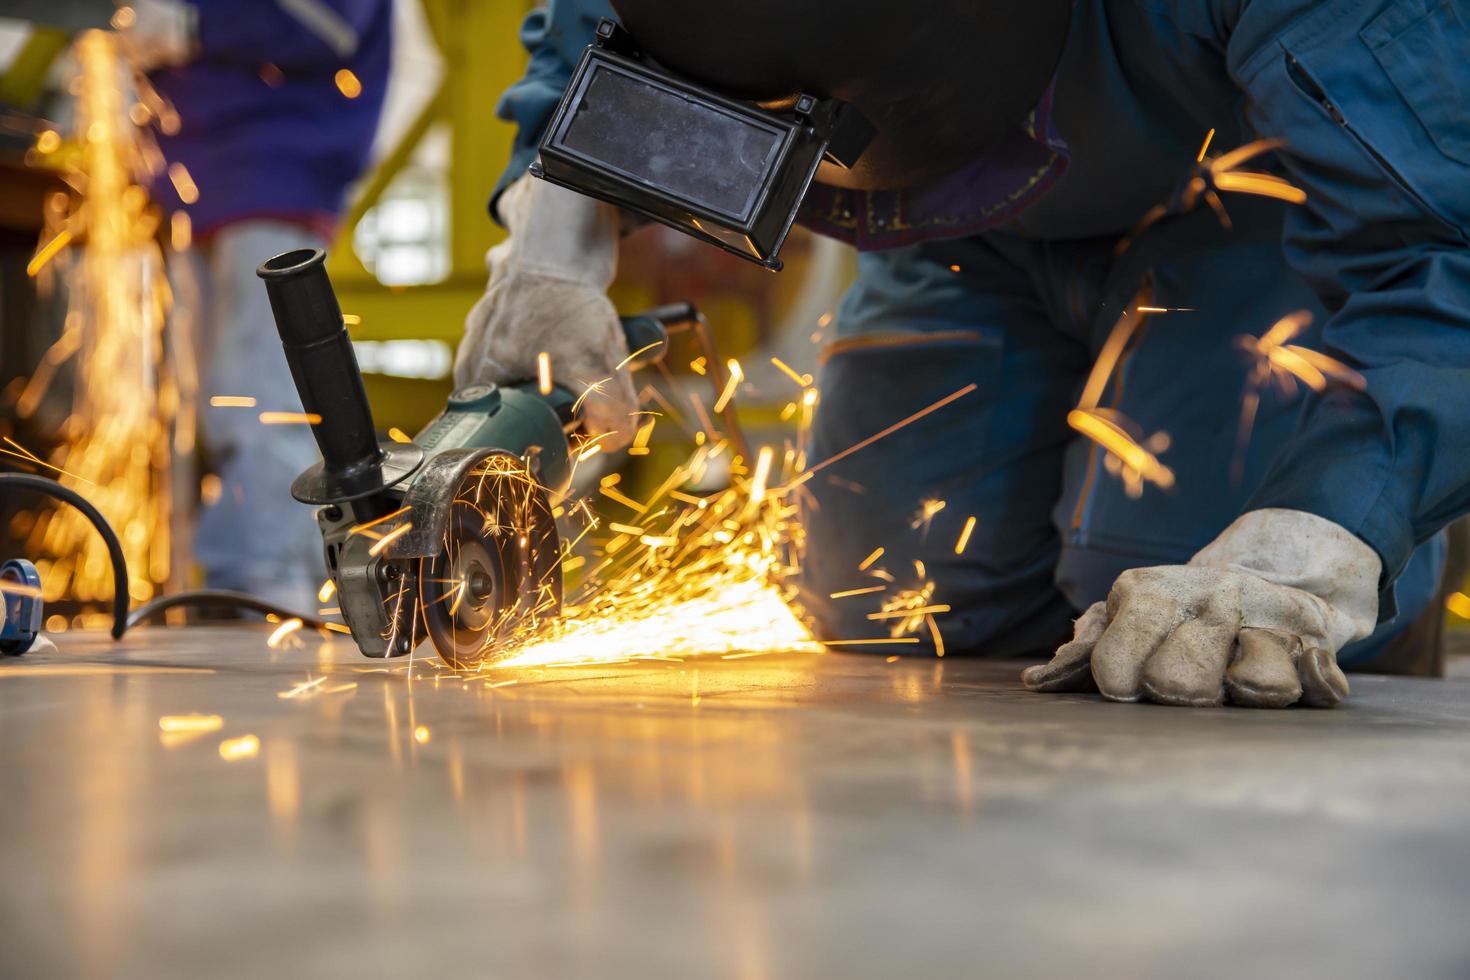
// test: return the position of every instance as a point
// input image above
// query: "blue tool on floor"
(20, 587)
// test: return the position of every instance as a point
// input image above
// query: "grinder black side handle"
(323, 364)
(515, 418)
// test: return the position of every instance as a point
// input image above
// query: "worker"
(1019, 143)
(277, 106)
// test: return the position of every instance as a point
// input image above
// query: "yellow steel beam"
(25, 79)
(480, 45)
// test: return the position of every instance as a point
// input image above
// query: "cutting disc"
(497, 575)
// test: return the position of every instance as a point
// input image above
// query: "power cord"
(219, 599)
(122, 621)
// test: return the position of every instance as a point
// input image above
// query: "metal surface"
(820, 816)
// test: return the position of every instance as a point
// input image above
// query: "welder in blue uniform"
(1019, 144)
(277, 106)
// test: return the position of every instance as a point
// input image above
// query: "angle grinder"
(449, 537)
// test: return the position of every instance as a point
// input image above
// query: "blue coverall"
(1372, 99)
(272, 143)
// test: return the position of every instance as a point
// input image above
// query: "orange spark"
(637, 354)
(852, 592)
(1138, 463)
(934, 632)
(731, 383)
(176, 724)
(804, 380)
(360, 528)
(1205, 147)
(347, 83)
(47, 252)
(19, 588)
(761, 476)
(235, 749)
(183, 183)
(626, 501)
(964, 541)
(947, 399)
(278, 636)
(387, 539)
(289, 418)
(903, 613)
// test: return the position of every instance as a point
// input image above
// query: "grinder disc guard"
(497, 574)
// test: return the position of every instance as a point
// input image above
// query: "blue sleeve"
(555, 35)
(301, 34)
(1371, 100)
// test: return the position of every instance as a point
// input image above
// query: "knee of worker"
(912, 601)
(937, 535)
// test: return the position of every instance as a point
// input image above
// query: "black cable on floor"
(219, 599)
(121, 620)
(41, 484)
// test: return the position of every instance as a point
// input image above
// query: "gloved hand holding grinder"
(548, 293)
(1257, 617)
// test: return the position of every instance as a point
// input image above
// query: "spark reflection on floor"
(191, 803)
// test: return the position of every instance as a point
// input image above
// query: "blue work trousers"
(1054, 524)
(254, 537)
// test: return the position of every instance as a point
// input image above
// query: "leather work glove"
(548, 292)
(158, 34)
(1257, 616)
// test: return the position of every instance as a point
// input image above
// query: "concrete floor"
(832, 815)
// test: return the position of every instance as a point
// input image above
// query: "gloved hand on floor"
(548, 292)
(1258, 615)
(159, 34)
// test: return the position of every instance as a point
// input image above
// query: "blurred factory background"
(121, 415)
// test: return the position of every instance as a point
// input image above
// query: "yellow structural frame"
(479, 41)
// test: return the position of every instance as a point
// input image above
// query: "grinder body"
(451, 536)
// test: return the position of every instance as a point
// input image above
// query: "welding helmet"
(715, 117)
(939, 81)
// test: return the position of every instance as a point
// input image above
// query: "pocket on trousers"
(1424, 48)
